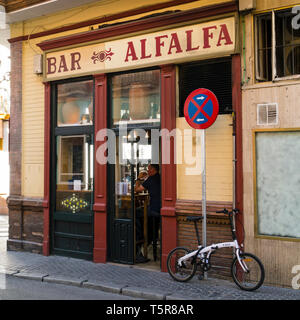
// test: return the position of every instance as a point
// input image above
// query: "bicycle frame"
(199, 253)
(210, 249)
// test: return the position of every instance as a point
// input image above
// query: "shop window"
(75, 103)
(277, 46)
(135, 98)
(277, 183)
(214, 75)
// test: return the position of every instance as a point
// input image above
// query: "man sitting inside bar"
(152, 184)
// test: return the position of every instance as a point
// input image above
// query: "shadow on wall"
(3, 204)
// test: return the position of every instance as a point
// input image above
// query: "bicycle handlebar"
(228, 212)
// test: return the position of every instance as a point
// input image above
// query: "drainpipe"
(245, 78)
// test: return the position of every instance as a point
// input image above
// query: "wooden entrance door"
(72, 174)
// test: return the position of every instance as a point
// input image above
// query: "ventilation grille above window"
(267, 114)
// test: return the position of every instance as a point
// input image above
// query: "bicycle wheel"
(184, 272)
(255, 275)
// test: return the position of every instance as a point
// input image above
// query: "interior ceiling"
(43, 8)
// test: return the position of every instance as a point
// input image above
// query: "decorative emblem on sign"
(74, 203)
(102, 56)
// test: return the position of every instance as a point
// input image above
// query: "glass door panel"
(131, 159)
(74, 180)
(75, 103)
(136, 98)
(128, 207)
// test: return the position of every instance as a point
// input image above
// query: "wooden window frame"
(274, 78)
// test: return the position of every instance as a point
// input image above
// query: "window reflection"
(75, 103)
(132, 158)
(74, 173)
(136, 97)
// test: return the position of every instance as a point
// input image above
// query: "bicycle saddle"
(192, 218)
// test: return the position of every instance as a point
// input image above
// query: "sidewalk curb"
(30, 276)
(136, 292)
(64, 280)
(124, 290)
(102, 286)
(9, 272)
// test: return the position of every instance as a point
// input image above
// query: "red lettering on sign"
(189, 45)
(224, 35)
(143, 50)
(62, 64)
(174, 44)
(51, 65)
(159, 44)
(131, 52)
(207, 35)
(75, 58)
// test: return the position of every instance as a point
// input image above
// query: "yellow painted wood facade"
(219, 155)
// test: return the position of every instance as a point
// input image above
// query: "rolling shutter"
(214, 75)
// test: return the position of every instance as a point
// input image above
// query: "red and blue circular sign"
(201, 108)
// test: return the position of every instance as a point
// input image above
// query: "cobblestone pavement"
(126, 280)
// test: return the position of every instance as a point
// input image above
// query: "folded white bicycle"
(246, 269)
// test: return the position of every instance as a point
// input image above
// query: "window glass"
(75, 103)
(74, 173)
(132, 158)
(287, 45)
(278, 183)
(136, 97)
(286, 49)
(264, 46)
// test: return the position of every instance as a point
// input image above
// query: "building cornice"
(205, 12)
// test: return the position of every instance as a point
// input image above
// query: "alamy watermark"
(296, 19)
(187, 149)
(296, 278)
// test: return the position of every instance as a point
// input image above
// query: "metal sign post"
(203, 167)
(201, 109)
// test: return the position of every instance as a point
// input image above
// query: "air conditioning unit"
(267, 114)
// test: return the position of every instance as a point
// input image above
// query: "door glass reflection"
(74, 181)
(131, 158)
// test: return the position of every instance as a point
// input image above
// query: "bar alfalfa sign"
(193, 42)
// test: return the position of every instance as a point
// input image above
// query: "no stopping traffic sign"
(201, 108)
